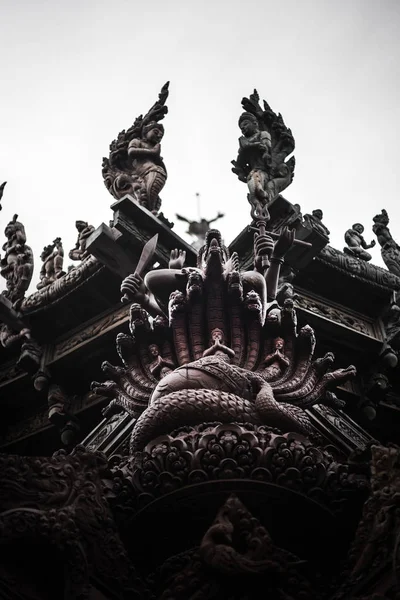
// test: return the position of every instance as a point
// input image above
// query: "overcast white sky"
(74, 73)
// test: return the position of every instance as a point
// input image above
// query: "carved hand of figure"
(133, 288)
(239, 171)
(284, 242)
(263, 246)
(177, 259)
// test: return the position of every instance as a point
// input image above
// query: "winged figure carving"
(135, 165)
(264, 147)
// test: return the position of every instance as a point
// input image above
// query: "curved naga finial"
(264, 146)
(215, 351)
(135, 165)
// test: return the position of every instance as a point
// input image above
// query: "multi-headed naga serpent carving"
(215, 350)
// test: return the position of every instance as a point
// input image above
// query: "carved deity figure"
(199, 228)
(217, 327)
(275, 363)
(390, 250)
(135, 165)
(160, 367)
(265, 144)
(356, 244)
(16, 266)
(53, 258)
(154, 292)
(314, 221)
(84, 230)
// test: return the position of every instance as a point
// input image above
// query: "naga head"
(253, 302)
(213, 252)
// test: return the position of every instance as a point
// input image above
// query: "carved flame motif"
(221, 355)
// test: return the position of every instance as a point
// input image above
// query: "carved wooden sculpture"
(53, 258)
(314, 221)
(389, 249)
(135, 165)
(16, 265)
(216, 343)
(84, 230)
(356, 244)
(263, 149)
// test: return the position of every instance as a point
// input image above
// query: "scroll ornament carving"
(377, 540)
(135, 165)
(359, 269)
(205, 453)
(59, 500)
(61, 287)
(340, 316)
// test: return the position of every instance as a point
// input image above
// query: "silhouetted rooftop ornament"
(135, 165)
(390, 250)
(2, 186)
(200, 227)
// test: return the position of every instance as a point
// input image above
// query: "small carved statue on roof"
(199, 228)
(265, 144)
(84, 230)
(160, 367)
(53, 258)
(16, 266)
(390, 251)
(2, 186)
(135, 165)
(356, 245)
(314, 221)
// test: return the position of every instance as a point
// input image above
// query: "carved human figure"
(218, 347)
(314, 221)
(390, 250)
(264, 146)
(154, 292)
(16, 265)
(148, 165)
(160, 367)
(253, 161)
(135, 165)
(53, 258)
(84, 230)
(276, 363)
(356, 244)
